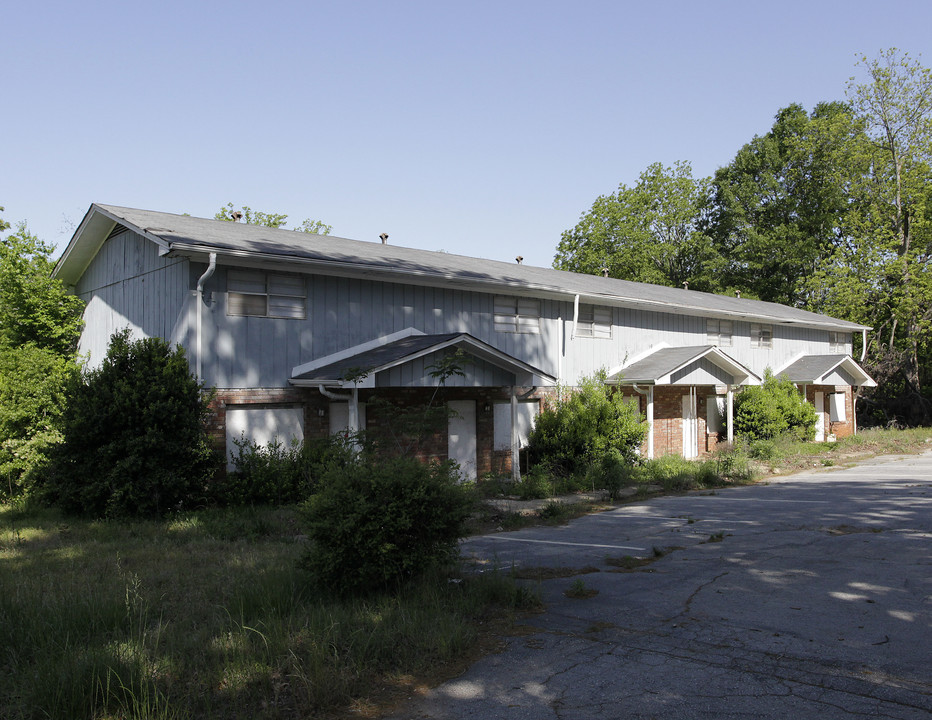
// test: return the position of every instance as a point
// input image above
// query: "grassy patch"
(205, 615)
(580, 591)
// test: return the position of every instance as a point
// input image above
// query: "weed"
(579, 591)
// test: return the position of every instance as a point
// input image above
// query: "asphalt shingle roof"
(187, 235)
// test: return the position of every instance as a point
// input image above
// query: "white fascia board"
(355, 350)
(87, 240)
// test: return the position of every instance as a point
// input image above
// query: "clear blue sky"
(479, 128)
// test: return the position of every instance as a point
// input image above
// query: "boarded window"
(761, 335)
(256, 293)
(715, 413)
(517, 314)
(718, 332)
(339, 417)
(594, 322)
(263, 425)
(527, 413)
(836, 405)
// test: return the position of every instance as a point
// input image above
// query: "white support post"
(730, 423)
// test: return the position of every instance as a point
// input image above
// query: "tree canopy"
(276, 220)
(647, 233)
(830, 210)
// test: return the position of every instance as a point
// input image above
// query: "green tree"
(134, 431)
(881, 275)
(34, 307)
(647, 233)
(779, 206)
(275, 220)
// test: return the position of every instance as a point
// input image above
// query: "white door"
(461, 436)
(690, 427)
(820, 417)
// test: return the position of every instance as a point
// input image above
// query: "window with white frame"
(718, 332)
(837, 342)
(517, 314)
(594, 322)
(761, 335)
(265, 294)
(836, 405)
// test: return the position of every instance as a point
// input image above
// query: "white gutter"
(211, 267)
(575, 315)
(650, 417)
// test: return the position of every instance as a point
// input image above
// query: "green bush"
(135, 441)
(276, 474)
(32, 390)
(775, 408)
(377, 523)
(612, 473)
(584, 424)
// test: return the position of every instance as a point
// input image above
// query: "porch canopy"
(406, 359)
(690, 367)
(827, 370)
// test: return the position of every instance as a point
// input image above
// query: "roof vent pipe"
(738, 294)
(519, 259)
(605, 272)
(237, 216)
(384, 238)
(686, 284)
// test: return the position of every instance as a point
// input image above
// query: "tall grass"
(206, 616)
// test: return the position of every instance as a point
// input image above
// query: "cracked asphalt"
(809, 596)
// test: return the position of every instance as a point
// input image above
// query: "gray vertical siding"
(129, 285)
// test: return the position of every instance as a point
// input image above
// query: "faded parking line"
(558, 542)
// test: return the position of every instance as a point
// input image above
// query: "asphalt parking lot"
(809, 596)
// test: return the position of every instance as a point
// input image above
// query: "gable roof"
(816, 369)
(404, 347)
(661, 366)
(255, 245)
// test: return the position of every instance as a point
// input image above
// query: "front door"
(461, 436)
(820, 417)
(690, 427)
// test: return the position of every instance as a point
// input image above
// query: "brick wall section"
(317, 415)
(838, 429)
(668, 419)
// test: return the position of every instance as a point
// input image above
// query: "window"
(251, 292)
(836, 405)
(517, 315)
(761, 335)
(838, 342)
(263, 425)
(501, 418)
(718, 332)
(594, 322)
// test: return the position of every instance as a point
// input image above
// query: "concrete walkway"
(806, 597)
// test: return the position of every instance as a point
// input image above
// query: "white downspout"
(730, 410)
(863, 344)
(515, 457)
(650, 417)
(575, 315)
(211, 267)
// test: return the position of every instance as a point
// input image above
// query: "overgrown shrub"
(276, 474)
(611, 473)
(584, 424)
(135, 441)
(377, 523)
(32, 390)
(775, 408)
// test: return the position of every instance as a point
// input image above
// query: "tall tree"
(779, 206)
(276, 220)
(646, 233)
(882, 275)
(34, 307)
